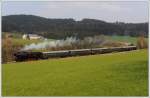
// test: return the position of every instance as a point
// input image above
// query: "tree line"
(62, 28)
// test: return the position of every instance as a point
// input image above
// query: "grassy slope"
(133, 40)
(19, 41)
(125, 39)
(118, 74)
(26, 42)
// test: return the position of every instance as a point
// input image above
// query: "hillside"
(62, 28)
(116, 74)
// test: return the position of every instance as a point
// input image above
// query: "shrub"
(142, 43)
(8, 49)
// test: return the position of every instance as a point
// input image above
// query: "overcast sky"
(107, 11)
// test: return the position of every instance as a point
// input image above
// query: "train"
(28, 55)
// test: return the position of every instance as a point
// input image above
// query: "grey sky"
(107, 11)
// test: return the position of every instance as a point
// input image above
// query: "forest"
(62, 28)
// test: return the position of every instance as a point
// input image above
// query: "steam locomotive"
(26, 55)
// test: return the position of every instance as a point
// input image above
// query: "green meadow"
(114, 74)
(129, 39)
(124, 39)
(19, 41)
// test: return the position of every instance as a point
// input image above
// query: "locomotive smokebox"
(27, 55)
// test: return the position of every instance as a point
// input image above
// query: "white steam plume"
(51, 44)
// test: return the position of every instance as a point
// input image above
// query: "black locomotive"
(25, 55)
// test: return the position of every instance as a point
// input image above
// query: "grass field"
(124, 39)
(19, 41)
(133, 40)
(116, 74)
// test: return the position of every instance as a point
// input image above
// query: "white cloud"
(108, 11)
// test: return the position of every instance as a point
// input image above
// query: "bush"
(142, 43)
(8, 49)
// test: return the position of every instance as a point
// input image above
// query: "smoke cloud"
(72, 43)
(51, 44)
